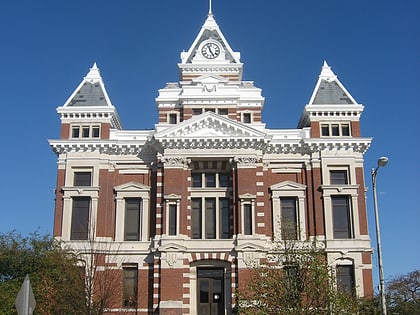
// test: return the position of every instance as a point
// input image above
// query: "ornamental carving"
(175, 161)
(246, 160)
(250, 260)
(171, 259)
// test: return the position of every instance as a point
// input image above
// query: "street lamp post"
(382, 161)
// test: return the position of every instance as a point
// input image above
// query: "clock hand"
(211, 51)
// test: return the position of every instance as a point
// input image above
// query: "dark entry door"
(211, 293)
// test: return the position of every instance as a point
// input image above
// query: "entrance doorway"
(211, 291)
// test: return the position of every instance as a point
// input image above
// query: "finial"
(327, 73)
(210, 10)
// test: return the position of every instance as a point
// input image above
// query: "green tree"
(296, 279)
(404, 294)
(54, 274)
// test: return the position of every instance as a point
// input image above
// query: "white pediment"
(209, 125)
(131, 186)
(287, 185)
(210, 79)
(249, 246)
(172, 247)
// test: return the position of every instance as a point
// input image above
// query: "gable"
(131, 186)
(210, 125)
(287, 186)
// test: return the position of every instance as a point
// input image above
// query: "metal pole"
(378, 242)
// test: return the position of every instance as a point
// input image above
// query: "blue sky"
(373, 46)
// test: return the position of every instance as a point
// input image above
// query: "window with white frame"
(289, 218)
(247, 204)
(211, 210)
(335, 130)
(288, 206)
(132, 227)
(82, 178)
(80, 216)
(341, 212)
(210, 218)
(173, 118)
(246, 118)
(345, 278)
(80, 202)
(172, 214)
(132, 212)
(85, 131)
(248, 220)
(340, 194)
(339, 177)
(130, 285)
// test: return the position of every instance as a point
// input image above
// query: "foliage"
(295, 279)
(53, 272)
(403, 294)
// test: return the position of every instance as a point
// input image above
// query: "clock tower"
(210, 81)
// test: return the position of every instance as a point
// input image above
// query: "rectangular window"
(82, 178)
(247, 118)
(196, 180)
(223, 111)
(338, 177)
(196, 218)
(210, 218)
(223, 180)
(288, 219)
(341, 216)
(196, 111)
(85, 132)
(325, 130)
(210, 110)
(80, 218)
(210, 179)
(247, 219)
(172, 119)
(335, 131)
(75, 132)
(132, 219)
(345, 130)
(345, 278)
(224, 218)
(130, 285)
(172, 219)
(95, 132)
(293, 283)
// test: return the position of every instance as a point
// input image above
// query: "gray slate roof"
(90, 94)
(331, 93)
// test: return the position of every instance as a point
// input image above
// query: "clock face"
(210, 50)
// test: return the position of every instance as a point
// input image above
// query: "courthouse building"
(181, 210)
